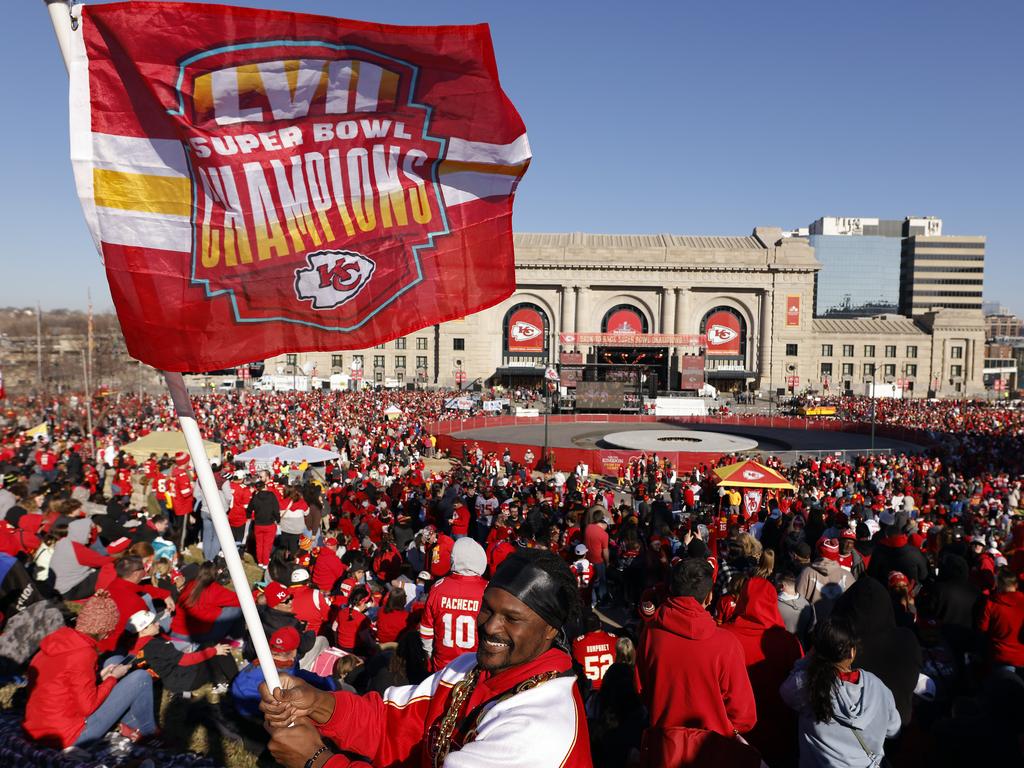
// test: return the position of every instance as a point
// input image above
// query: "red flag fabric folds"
(260, 182)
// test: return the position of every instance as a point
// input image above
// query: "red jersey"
(595, 652)
(46, 460)
(181, 483)
(449, 617)
(241, 495)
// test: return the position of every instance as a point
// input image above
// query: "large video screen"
(600, 395)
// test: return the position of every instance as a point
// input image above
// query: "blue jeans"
(600, 582)
(211, 544)
(131, 702)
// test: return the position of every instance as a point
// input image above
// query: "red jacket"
(691, 672)
(196, 620)
(327, 569)
(64, 691)
(1002, 621)
(770, 652)
(391, 624)
(439, 560)
(126, 596)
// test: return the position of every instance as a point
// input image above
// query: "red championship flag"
(260, 182)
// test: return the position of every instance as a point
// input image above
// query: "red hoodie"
(64, 691)
(770, 652)
(690, 672)
(1003, 623)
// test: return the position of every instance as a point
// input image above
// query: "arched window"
(525, 331)
(624, 318)
(726, 332)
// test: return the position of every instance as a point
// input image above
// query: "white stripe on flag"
(154, 157)
(139, 229)
(467, 186)
(513, 153)
(367, 87)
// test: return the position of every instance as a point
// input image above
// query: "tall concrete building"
(941, 272)
(860, 265)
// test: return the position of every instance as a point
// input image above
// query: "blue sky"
(683, 117)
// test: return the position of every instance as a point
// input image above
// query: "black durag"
(529, 578)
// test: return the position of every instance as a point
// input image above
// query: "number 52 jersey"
(595, 652)
(448, 625)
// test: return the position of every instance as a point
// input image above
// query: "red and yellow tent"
(750, 474)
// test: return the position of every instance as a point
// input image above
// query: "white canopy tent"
(263, 455)
(310, 454)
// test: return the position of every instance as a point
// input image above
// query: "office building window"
(378, 361)
(399, 361)
(826, 350)
(911, 370)
(956, 371)
(791, 349)
(421, 362)
(379, 346)
(291, 360)
(379, 377)
(847, 350)
(869, 370)
(400, 343)
(458, 344)
(869, 350)
(826, 369)
(957, 353)
(912, 353)
(847, 369)
(890, 350)
(421, 342)
(337, 361)
(889, 371)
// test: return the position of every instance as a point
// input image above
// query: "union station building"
(735, 312)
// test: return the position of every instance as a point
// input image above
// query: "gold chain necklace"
(441, 732)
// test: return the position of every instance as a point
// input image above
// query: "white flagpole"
(60, 17)
(215, 503)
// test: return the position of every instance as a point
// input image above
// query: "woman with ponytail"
(846, 714)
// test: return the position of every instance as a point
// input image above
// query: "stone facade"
(673, 282)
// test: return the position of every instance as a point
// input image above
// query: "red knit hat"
(181, 458)
(829, 549)
(98, 616)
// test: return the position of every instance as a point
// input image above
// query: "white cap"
(299, 575)
(581, 550)
(140, 620)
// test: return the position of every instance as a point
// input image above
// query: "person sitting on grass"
(66, 705)
(180, 672)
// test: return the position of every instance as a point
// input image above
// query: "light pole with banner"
(551, 383)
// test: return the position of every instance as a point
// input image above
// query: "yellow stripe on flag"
(142, 192)
(459, 166)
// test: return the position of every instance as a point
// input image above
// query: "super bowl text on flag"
(260, 182)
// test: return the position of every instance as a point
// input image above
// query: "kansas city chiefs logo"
(524, 331)
(720, 334)
(333, 278)
(752, 474)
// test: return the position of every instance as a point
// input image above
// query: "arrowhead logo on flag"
(752, 474)
(273, 182)
(720, 334)
(752, 501)
(333, 277)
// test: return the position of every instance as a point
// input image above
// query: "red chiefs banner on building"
(525, 331)
(724, 333)
(792, 311)
(625, 321)
(260, 182)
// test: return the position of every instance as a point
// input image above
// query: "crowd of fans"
(870, 615)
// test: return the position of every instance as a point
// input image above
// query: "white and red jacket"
(542, 727)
